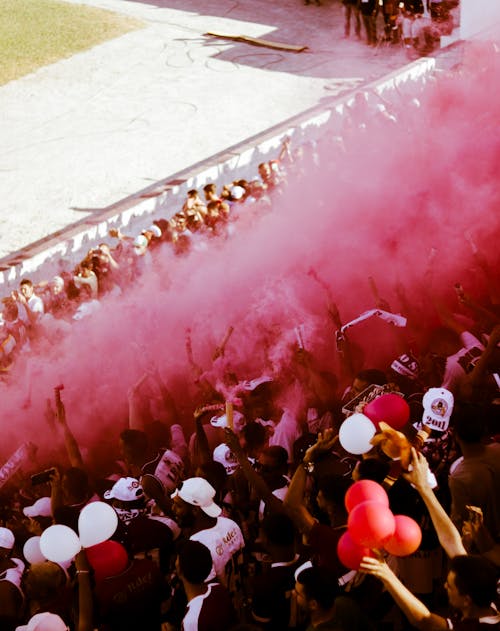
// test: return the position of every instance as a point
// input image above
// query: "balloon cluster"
(97, 522)
(357, 431)
(372, 525)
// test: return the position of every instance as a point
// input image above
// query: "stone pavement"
(85, 132)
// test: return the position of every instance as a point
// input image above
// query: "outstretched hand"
(419, 472)
(325, 442)
(232, 442)
(377, 568)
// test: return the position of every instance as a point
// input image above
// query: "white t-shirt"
(35, 304)
(286, 432)
(223, 540)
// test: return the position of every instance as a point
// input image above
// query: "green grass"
(35, 33)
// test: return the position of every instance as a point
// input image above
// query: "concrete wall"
(64, 249)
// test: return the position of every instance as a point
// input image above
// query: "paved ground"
(88, 131)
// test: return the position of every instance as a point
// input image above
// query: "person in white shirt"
(200, 517)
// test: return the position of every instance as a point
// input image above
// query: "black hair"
(475, 577)
(468, 423)
(320, 584)
(195, 562)
(373, 469)
(254, 434)
(26, 281)
(372, 375)
(334, 487)
(279, 455)
(279, 529)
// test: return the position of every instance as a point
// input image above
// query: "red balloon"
(371, 524)
(389, 408)
(406, 537)
(349, 553)
(364, 491)
(108, 558)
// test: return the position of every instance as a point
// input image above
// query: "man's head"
(192, 499)
(371, 468)
(278, 531)
(331, 493)
(253, 438)
(264, 171)
(210, 190)
(273, 463)
(127, 498)
(10, 312)
(468, 424)
(316, 589)
(44, 581)
(56, 285)
(471, 582)
(194, 562)
(26, 288)
(366, 378)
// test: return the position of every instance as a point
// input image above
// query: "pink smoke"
(395, 206)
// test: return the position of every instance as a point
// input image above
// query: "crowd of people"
(231, 518)
(414, 23)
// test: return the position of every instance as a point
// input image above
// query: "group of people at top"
(415, 23)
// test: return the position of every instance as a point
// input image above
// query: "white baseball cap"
(438, 406)
(41, 508)
(45, 621)
(7, 538)
(198, 492)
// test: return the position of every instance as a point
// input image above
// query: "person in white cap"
(44, 621)
(200, 518)
(11, 573)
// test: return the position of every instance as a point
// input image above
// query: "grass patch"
(35, 33)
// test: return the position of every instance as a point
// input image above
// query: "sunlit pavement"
(83, 133)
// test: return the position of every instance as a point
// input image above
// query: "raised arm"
(294, 500)
(479, 370)
(415, 610)
(72, 448)
(85, 609)
(448, 535)
(254, 479)
(136, 419)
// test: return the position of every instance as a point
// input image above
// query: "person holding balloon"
(471, 587)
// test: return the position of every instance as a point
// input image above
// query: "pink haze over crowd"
(397, 207)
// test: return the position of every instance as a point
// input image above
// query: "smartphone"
(42, 477)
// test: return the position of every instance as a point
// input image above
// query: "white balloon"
(97, 523)
(32, 552)
(59, 543)
(355, 434)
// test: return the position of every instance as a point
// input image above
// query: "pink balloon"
(389, 408)
(108, 558)
(364, 491)
(406, 538)
(349, 553)
(371, 524)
